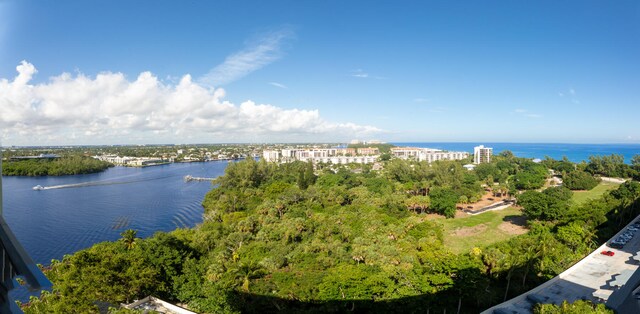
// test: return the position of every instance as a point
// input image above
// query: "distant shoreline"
(574, 152)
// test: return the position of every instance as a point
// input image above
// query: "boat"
(38, 188)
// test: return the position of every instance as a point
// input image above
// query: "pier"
(189, 178)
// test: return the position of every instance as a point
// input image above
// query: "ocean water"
(574, 152)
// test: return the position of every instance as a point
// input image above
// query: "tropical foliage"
(578, 307)
(579, 180)
(56, 167)
(334, 239)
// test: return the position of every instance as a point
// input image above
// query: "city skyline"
(76, 73)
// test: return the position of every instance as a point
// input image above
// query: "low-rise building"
(131, 161)
(367, 151)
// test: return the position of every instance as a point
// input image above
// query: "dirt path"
(515, 225)
(486, 200)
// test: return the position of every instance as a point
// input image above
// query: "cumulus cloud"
(109, 107)
(257, 54)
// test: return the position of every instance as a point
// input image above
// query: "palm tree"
(529, 255)
(129, 238)
(509, 262)
(246, 272)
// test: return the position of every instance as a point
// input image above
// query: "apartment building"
(482, 154)
(333, 155)
(426, 154)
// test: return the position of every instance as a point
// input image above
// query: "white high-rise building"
(482, 154)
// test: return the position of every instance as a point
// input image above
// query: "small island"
(53, 166)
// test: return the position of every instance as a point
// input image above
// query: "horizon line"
(322, 142)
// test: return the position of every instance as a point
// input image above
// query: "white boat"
(38, 188)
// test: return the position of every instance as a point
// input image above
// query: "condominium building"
(367, 151)
(333, 155)
(482, 154)
(361, 155)
(131, 161)
(426, 154)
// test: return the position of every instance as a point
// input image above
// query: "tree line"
(57, 167)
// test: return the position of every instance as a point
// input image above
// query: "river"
(97, 207)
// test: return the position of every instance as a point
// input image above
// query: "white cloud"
(109, 108)
(526, 113)
(257, 54)
(359, 73)
(571, 93)
(420, 100)
(276, 84)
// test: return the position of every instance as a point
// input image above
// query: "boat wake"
(96, 183)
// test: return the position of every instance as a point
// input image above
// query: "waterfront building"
(482, 154)
(41, 156)
(130, 161)
(146, 161)
(368, 151)
(271, 155)
(426, 154)
(360, 155)
(325, 155)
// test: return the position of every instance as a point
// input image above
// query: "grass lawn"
(462, 234)
(580, 197)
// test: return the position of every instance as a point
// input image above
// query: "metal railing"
(15, 262)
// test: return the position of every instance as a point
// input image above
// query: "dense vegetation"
(609, 166)
(288, 238)
(548, 205)
(579, 180)
(56, 167)
(579, 307)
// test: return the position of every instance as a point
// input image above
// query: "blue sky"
(119, 72)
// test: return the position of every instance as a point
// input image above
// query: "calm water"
(59, 221)
(575, 152)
